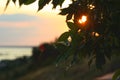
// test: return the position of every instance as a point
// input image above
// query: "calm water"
(11, 53)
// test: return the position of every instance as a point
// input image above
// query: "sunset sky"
(24, 26)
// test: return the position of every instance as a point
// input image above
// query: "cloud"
(30, 31)
(18, 24)
(19, 29)
(17, 17)
(17, 36)
(18, 20)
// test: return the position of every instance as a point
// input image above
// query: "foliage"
(41, 3)
(103, 19)
(97, 37)
(116, 76)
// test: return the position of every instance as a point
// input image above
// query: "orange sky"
(37, 28)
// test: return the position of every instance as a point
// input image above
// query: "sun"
(83, 19)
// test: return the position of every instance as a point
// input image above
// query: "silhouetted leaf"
(42, 3)
(21, 2)
(8, 1)
(14, 1)
(69, 16)
(27, 2)
(64, 11)
(61, 2)
(64, 36)
(55, 3)
(72, 26)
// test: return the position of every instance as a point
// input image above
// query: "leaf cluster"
(103, 19)
(41, 3)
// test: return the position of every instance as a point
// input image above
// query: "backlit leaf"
(14, 1)
(64, 11)
(8, 1)
(57, 2)
(64, 36)
(116, 75)
(21, 2)
(42, 3)
(72, 26)
(61, 2)
(27, 2)
(69, 16)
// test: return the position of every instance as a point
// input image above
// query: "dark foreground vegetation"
(42, 66)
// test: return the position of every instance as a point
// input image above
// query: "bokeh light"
(83, 19)
(95, 34)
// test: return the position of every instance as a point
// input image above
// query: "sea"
(12, 53)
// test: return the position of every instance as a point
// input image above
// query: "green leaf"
(21, 2)
(116, 75)
(69, 16)
(72, 26)
(64, 36)
(8, 1)
(27, 2)
(14, 1)
(57, 2)
(61, 2)
(64, 11)
(42, 3)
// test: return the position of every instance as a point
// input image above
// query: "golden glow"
(91, 6)
(95, 34)
(69, 39)
(79, 30)
(83, 19)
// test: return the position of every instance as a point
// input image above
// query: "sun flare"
(83, 19)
